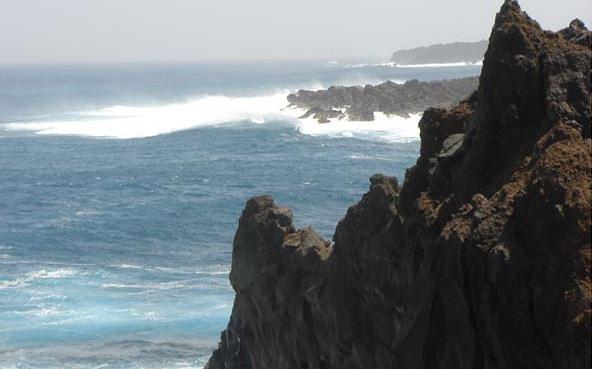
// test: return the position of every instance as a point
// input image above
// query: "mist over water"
(122, 187)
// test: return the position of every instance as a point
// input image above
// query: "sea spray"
(125, 122)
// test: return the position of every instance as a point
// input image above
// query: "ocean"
(122, 186)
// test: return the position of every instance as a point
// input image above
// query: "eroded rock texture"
(480, 260)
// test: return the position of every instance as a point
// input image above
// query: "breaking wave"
(136, 122)
(126, 122)
(395, 65)
(391, 128)
(438, 65)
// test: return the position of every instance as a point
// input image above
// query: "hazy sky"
(74, 31)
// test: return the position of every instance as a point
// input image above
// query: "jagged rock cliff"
(482, 259)
(359, 103)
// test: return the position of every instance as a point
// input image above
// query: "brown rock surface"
(482, 259)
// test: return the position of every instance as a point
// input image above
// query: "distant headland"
(456, 52)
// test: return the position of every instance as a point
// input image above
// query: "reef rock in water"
(482, 259)
(359, 103)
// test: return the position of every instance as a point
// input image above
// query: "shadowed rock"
(482, 259)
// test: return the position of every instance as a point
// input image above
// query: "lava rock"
(481, 259)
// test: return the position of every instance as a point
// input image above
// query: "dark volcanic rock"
(322, 116)
(482, 259)
(278, 274)
(359, 103)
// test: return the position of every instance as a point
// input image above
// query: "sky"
(106, 31)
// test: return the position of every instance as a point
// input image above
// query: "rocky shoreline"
(481, 259)
(359, 103)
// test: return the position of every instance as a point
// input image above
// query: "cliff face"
(457, 52)
(359, 103)
(482, 259)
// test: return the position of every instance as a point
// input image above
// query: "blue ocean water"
(121, 189)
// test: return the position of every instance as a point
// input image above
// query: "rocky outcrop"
(359, 103)
(456, 52)
(482, 259)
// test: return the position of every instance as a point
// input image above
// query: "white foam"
(438, 65)
(127, 266)
(37, 275)
(126, 122)
(366, 65)
(45, 312)
(52, 274)
(428, 65)
(392, 128)
(369, 157)
(136, 122)
(149, 286)
(212, 271)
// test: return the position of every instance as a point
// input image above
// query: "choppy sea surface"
(121, 187)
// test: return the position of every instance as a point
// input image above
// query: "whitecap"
(438, 65)
(368, 157)
(213, 270)
(89, 212)
(124, 122)
(395, 65)
(149, 286)
(390, 128)
(147, 121)
(31, 277)
(221, 272)
(127, 266)
(51, 274)
(45, 312)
